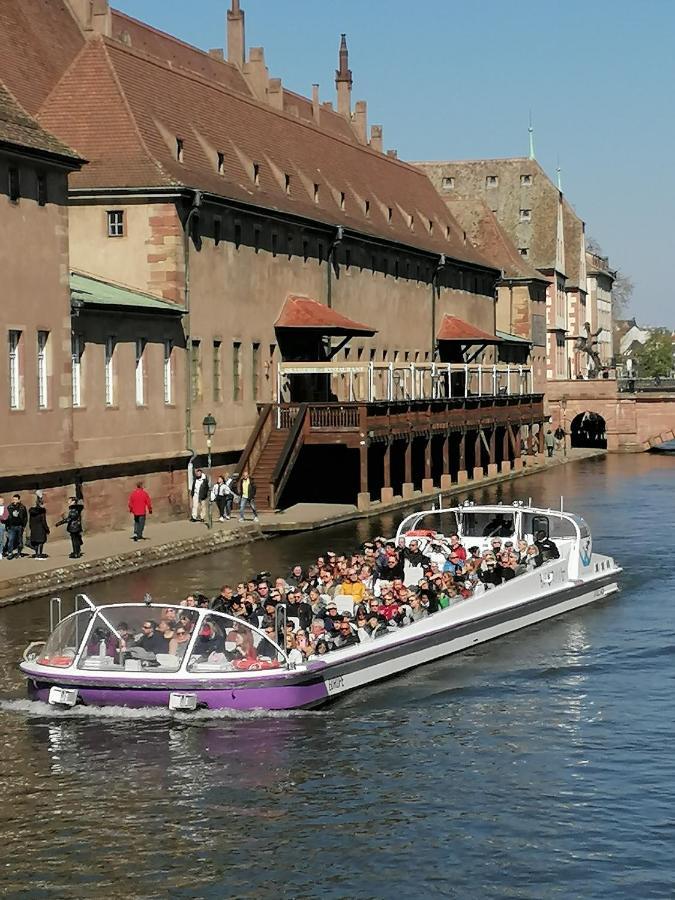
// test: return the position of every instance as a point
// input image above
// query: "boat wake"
(36, 709)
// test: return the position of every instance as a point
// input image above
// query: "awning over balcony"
(95, 294)
(310, 315)
(454, 329)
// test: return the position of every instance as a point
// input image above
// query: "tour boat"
(89, 658)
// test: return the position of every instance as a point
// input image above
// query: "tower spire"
(559, 176)
(530, 132)
(343, 80)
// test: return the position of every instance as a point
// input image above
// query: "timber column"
(408, 488)
(387, 492)
(493, 468)
(446, 477)
(363, 500)
(478, 455)
(427, 481)
(506, 456)
(462, 474)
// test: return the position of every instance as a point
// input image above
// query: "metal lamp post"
(209, 425)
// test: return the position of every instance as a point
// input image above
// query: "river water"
(537, 766)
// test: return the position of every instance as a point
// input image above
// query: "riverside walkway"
(109, 554)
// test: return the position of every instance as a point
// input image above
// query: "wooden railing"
(289, 455)
(258, 439)
(334, 417)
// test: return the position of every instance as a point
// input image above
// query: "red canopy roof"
(454, 329)
(302, 312)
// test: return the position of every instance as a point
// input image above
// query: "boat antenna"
(440, 500)
(561, 502)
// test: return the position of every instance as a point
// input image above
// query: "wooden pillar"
(446, 477)
(530, 439)
(493, 468)
(408, 486)
(363, 501)
(427, 481)
(387, 492)
(505, 465)
(478, 455)
(363, 459)
(540, 437)
(514, 435)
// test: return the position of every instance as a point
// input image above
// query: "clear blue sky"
(456, 80)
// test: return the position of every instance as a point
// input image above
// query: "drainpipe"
(197, 201)
(339, 234)
(434, 287)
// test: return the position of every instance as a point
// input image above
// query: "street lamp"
(209, 425)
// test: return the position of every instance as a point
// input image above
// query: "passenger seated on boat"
(547, 548)
(150, 640)
(262, 591)
(179, 641)
(167, 632)
(413, 555)
(316, 602)
(317, 632)
(331, 619)
(417, 611)
(488, 572)
(507, 562)
(208, 641)
(295, 577)
(266, 648)
(293, 653)
(186, 621)
(345, 637)
(298, 608)
(301, 641)
(255, 609)
(353, 587)
(222, 601)
(169, 615)
(360, 621)
(457, 547)
(190, 601)
(500, 526)
(319, 649)
(454, 563)
(245, 649)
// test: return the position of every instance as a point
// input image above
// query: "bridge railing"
(645, 385)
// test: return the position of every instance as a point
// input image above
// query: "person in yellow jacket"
(353, 587)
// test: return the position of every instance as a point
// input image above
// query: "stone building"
(600, 279)
(546, 233)
(212, 195)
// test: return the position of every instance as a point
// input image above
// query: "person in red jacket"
(140, 504)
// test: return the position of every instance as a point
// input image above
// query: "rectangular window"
(305, 249)
(448, 183)
(275, 243)
(525, 215)
(140, 371)
(256, 238)
(217, 231)
(14, 370)
(168, 372)
(217, 372)
(236, 371)
(255, 369)
(196, 369)
(180, 147)
(42, 189)
(42, 369)
(256, 173)
(14, 184)
(316, 193)
(237, 235)
(491, 181)
(109, 371)
(221, 163)
(77, 349)
(342, 199)
(287, 183)
(390, 213)
(366, 207)
(115, 223)
(525, 180)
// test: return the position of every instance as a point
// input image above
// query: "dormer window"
(179, 149)
(256, 174)
(431, 227)
(342, 199)
(287, 183)
(525, 180)
(390, 213)
(316, 193)
(448, 183)
(366, 207)
(491, 181)
(411, 221)
(221, 163)
(524, 251)
(525, 215)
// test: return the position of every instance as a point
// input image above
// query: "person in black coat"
(17, 518)
(38, 528)
(73, 522)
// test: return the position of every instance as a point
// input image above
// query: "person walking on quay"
(73, 522)
(549, 442)
(227, 493)
(559, 434)
(247, 492)
(17, 518)
(199, 493)
(38, 529)
(140, 505)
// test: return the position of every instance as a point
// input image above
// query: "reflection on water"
(536, 766)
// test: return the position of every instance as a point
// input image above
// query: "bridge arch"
(589, 429)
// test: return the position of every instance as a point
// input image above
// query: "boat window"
(439, 522)
(552, 526)
(225, 644)
(63, 643)
(138, 637)
(488, 524)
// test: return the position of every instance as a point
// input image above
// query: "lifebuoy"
(60, 661)
(421, 532)
(255, 665)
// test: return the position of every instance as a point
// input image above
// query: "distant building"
(600, 279)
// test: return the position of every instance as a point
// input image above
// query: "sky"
(451, 80)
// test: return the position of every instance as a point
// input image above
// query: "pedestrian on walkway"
(3, 522)
(72, 519)
(559, 434)
(200, 494)
(248, 492)
(17, 518)
(140, 505)
(549, 441)
(38, 529)
(227, 494)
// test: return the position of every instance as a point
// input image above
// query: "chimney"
(343, 81)
(316, 108)
(83, 12)
(376, 138)
(275, 93)
(361, 121)
(393, 154)
(217, 53)
(236, 37)
(256, 73)
(101, 19)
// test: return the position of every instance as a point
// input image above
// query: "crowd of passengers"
(376, 599)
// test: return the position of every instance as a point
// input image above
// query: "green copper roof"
(512, 338)
(96, 293)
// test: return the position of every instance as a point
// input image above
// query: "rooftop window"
(14, 184)
(491, 181)
(525, 215)
(342, 199)
(221, 163)
(448, 183)
(180, 146)
(524, 251)
(316, 193)
(366, 207)
(287, 183)
(525, 180)
(390, 213)
(256, 173)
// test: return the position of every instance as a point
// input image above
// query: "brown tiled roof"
(38, 41)
(176, 53)
(573, 229)
(303, 312)
(330, 121)
(455, 329)
(124, 111)
(19, 129)
(484, 231)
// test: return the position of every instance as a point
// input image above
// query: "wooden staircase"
(271, 453)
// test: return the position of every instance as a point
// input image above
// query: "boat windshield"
(440, 522)
(63, 643)
(226, 644)
(488, 524)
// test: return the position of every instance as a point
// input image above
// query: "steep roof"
(303, 312)
(38, 41)
(453, 328)
(573, 227)
(21, 130)
(330, 121)
(484, 231)
(125, 110)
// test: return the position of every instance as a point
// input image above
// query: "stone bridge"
(634, 422)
